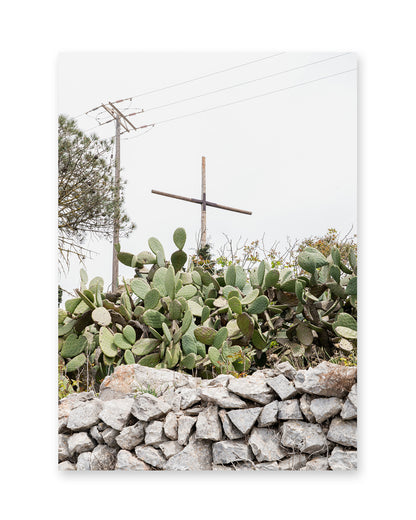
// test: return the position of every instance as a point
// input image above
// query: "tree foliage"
(87, 202)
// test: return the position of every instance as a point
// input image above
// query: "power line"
(247, 99)
(245, 82)
(198, 78)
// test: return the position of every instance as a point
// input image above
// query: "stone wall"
(275, 419)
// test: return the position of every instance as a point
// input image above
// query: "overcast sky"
(289, 157)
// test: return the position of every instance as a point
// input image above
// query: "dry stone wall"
(152, 420)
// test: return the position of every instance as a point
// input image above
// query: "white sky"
(289, 157)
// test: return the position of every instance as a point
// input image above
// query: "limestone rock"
(185, 425)
(147, 407)
(63, 451)
(342, 460)
(293, 463)
(171, 426)
(73, 401)
(290, 410)
(254, 389)
(268, 415)
(154, 433)
(284, 388)
(196, 456)
(85, 415)
(109, 437)
(229, 429)
(349, 410)
(79, 442)
(317, 464)
(170, 448)
(151, 456)
(267, 466)
(265, 444)
(126, 461)
(116, 413)
(189, 397)
(324, 408)
(343, 432)
(222, 397)
(96, 434)
(131, 436)
(326, 379)
(208, 425)
(84, 461)
(286, 369)
(66, 466)
(302, 436)
(103, 458)
(244, 419)
(305, 406)
(130, 379)
(225, 452)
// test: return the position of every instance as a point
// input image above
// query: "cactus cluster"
(186, 318)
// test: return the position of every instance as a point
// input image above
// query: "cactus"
(106, 339)
(101, 316)
(179, 237)
(76, 363)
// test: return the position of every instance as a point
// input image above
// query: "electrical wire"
(245, 82)
(249, 98)
(198, 78)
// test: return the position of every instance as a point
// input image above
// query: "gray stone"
(84, 461)
(286, 369)
(222, 397)
(62, 425)
(103, 458)
(171, 426)
(229, 429)
(317, 464)
(196, 456)
(225, 452)
(96, 434)
(305, 406)
(63, 451)
(116, 413)
(265, 444)
(324, 408)
(131, 436)
(151, 456)
(289, 410)
(267, 466)
(284, 388)
(147, 407)
(343, 432)
(154, 433)
(268, 415)
(185, 425)
(326, 379)
(189, 397)
(244, 419)
(349, 410)
(126, 461)
(172, 399)
(73, 401)
(220, 380)
(293, 463)
(130, 379)
(195, 410)
(342, 460)
(254, 389)
(302, 436)
(109, 437)
(170, 448)
(208, 425)
(84, 416)
(79, 442)
(66, 466)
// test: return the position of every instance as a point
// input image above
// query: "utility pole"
(204, 203)
(203, 206)
(116, 231)
(121, 121)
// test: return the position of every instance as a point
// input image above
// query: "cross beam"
(204, 203)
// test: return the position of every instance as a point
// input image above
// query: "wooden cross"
(204, 203)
